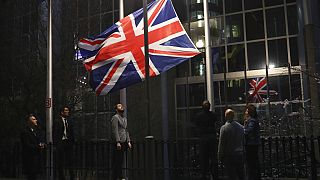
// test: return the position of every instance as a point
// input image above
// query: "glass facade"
(246, 38)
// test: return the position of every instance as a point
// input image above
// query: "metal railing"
(291, 157)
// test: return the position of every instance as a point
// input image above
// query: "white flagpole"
(49, 95)
(208, 54)
(123, 92)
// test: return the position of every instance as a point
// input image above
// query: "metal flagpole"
(49, 162)
(123, 92)
(208, 53)
(149, 160)
(146, 58)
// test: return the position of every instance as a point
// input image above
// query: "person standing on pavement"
(205, 130)
(63, 141)
(252, 142)
(121, 139)
(31, 148)
(230, 149)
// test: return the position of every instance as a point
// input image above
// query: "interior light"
(271, 66)
(200, 43)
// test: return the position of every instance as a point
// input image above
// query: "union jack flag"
(257, 89)
(115, 58)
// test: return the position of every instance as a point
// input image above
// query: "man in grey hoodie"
(230, 149)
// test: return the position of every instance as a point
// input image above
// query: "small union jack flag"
(115, 58)
(257, 89)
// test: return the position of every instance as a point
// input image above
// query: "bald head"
(229, 115)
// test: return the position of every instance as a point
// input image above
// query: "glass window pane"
(273, 2)
(181, 92)
(196, 94)
(256, 55)
(197, 33)
(235, 91)
(254, 25)
(218, 60)
(181, 8)
(107, 20)
(236, 61)
(279, 88)
(219, 93)
(233, 6)
(183, 69)
(296, 87)
(234, 28)
(94, 6)
(294, 51)
(291, 1)
(278, 56)
(106, 6)
(216, 30)
(292, 19)
(94, 25)
(275, 22)
(215, 7)
(83, 5)
(197, 66)
(252, 4)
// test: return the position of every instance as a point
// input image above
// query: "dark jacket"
(252, 132)
(58, 129)
(30, 141)
(205, 124)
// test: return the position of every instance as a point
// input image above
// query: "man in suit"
(31, 148)
(121, 139)
(63, 140)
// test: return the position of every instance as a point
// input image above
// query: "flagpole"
(123, 92)
(49, 162)
(208, 54)
(146, 58)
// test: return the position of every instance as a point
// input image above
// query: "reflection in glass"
(278, 56)
(252, 4)
(254, 25)
(280, 84)
(219, 93)
(292, 19)
(296, 87)
(273, 2)
(196, 94)
(294, 51)
(256, 55)
(216, 30)
(183, 69)
(233, 6)
(236, 60)
(197, 66)
(181, 93)
(235, 91)
(218, 60)
(275, 22)
(234, 28)
(197, 33)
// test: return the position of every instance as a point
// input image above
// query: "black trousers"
(117, 160)
(234, 166)
(252, 162)
(64, 159)
(208, 157)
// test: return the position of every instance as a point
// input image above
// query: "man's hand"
(118, 146)
(129, 145)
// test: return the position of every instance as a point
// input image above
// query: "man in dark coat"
(205, 130)
(31, 148)
(63, 140)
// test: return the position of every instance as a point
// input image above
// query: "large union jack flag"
(115, 58)
(257, 89)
